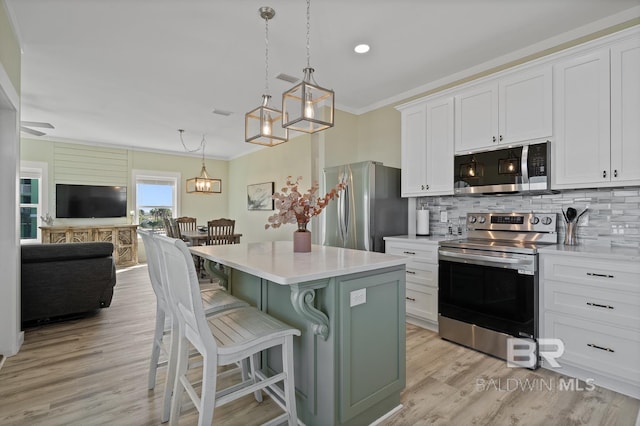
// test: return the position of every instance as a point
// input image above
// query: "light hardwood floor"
(93, 371)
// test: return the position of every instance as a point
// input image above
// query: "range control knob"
(482, 219)
(472, 219)
(534, 220)
(547, 220)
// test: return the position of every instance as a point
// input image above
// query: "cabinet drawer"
(607, 349)
(422, 302)
(426, 252)
(422, 273)
(599, 304)
(612, 275)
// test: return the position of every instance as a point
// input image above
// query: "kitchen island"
(350, 306)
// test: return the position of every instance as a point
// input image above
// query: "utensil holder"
(571, 234)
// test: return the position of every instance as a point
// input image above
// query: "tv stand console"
(123, 237)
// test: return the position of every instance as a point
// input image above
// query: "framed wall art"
(259, 196)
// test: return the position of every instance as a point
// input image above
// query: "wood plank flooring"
(93, 371)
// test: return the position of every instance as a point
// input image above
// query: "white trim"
(37, 170)
(7, 87)
(155, 174)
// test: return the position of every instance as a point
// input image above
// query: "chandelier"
(262, 125)
(202, 184)
(307, 107)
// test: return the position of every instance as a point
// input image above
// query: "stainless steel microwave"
(502, 171)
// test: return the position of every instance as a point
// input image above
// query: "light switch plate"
(443, 216)
(358, 297)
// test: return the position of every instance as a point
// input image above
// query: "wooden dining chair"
(222, 339)
(167, 227)
(220, 231)
(213, 301)
(186, 223)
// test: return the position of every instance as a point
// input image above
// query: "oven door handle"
(485, 260)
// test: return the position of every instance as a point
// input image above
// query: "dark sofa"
(61, 280)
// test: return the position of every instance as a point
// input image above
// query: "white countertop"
(596, 251)
(276, 261)
(426, 239)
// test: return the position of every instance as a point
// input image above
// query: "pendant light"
(202, 184)
(307, 107)
(262, 125)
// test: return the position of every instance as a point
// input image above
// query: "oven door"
(493, 290)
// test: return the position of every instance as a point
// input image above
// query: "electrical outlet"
(443, 216)
(358, 297)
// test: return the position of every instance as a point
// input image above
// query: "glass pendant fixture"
(202, 184)
(307, 107)
(262, 125)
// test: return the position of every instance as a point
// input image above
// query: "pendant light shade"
(263, 125)
(307, 107)
(202, 184)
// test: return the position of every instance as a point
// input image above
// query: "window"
(156, 196)
(33, 196)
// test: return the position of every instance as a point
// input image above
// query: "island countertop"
(276, 261)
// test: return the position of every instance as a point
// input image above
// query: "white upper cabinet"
(514, 108)
(427, 148)
(625, 112)
(597, 110)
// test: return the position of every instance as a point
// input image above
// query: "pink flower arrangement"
(295, 207)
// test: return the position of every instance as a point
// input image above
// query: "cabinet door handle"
(500, 138)
(591, 345)
(427, 187)
(410, 272)
(422, 187)
(593, 274)
(410, 298)
(615, 173)
(604, 173)
(598, 305)
(409, 252)
(493, 139)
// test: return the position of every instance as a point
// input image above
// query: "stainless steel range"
(488, 282)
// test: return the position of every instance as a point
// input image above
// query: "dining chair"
(220, 231)
(225, 338)
(186, 223)
(213, 301)
(167, 227)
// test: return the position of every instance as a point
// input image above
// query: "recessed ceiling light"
(221, 112)
(361, 48)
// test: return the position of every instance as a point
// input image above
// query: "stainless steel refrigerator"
(369, 209)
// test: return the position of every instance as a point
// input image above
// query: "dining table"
(199, 238)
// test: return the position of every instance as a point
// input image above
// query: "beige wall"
(9, 49)
(266, 165)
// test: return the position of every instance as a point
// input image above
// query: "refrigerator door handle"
(344, 215)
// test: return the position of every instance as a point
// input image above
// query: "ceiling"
(130, 73)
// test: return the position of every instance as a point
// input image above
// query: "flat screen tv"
(89, 201)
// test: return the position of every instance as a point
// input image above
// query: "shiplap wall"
(90, 165)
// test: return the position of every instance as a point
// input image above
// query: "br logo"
(524, 353)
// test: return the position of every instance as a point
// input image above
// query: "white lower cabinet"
(422, 280)
(593, 307)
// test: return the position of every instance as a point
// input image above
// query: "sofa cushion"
(32, 253)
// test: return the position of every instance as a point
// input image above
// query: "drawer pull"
(598, 305)
(593, 274)
(591, 345)
(410, 298)
(411, 272)
(409, 252)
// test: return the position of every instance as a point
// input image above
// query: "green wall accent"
(10, 55)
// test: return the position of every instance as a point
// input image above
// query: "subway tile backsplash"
(613, 216)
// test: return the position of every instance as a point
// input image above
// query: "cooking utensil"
(565, 215)
(580, 215)
(571, 214)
